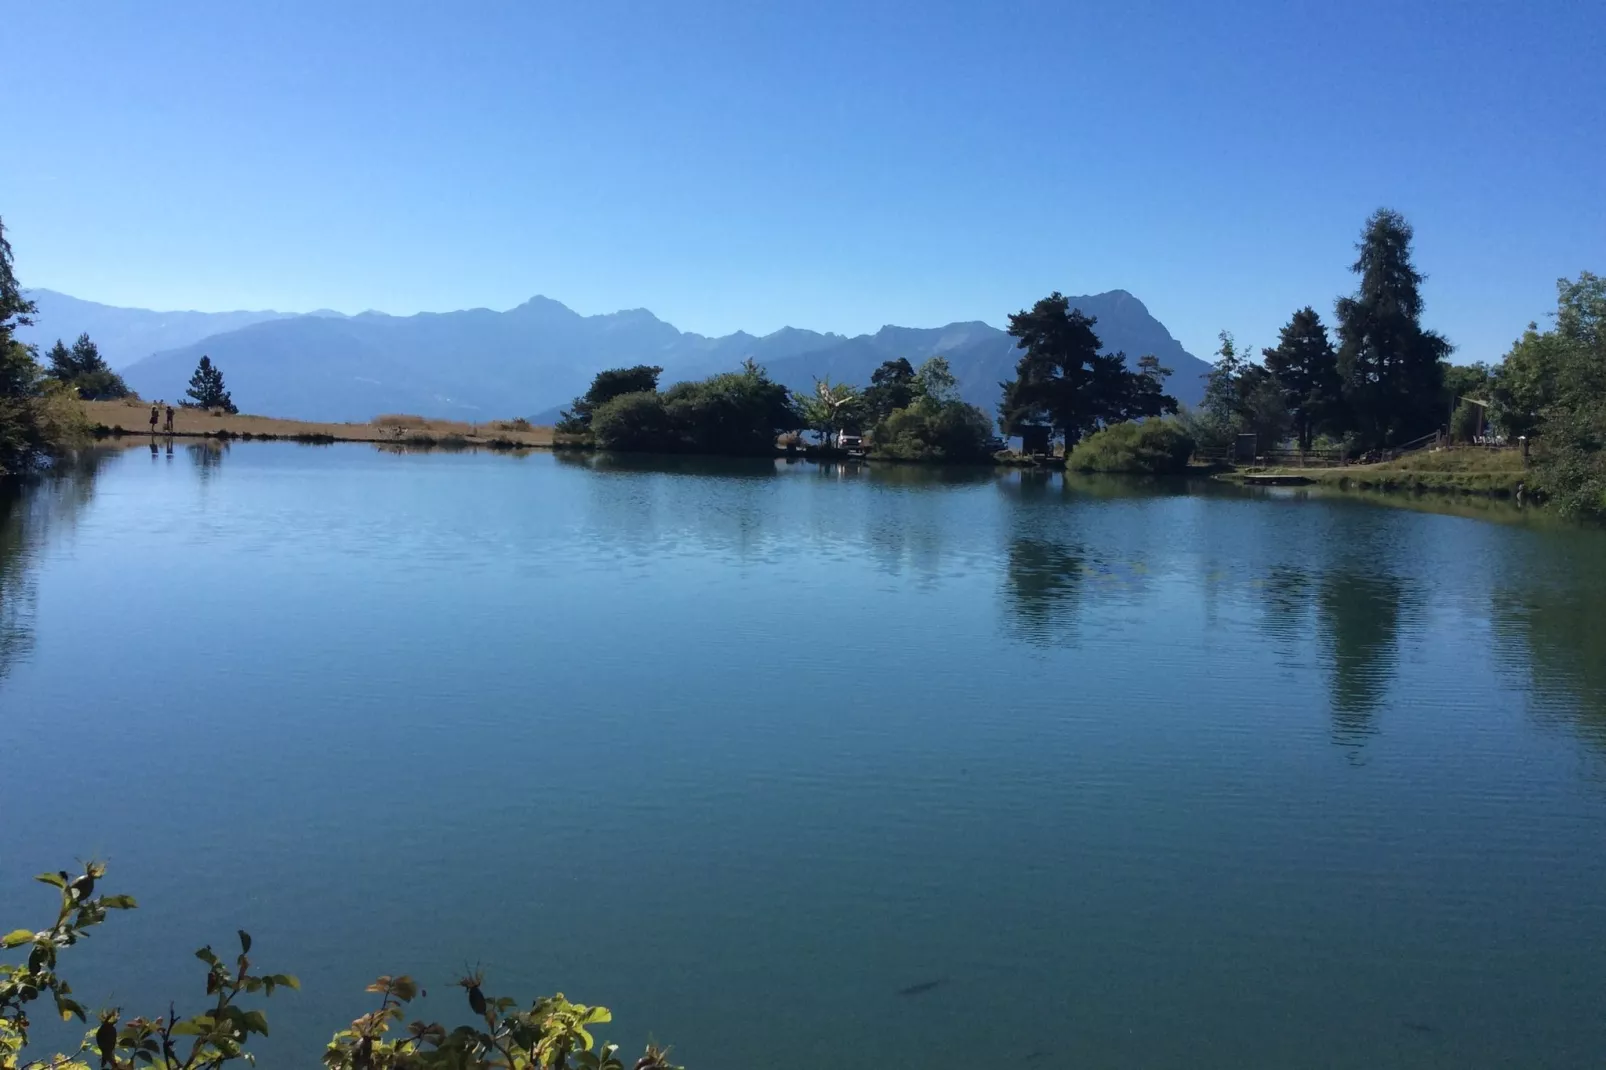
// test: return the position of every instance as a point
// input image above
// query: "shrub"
(399, 419)
(554, 1033)
(1153, 447)
(930, 430)
(634, 421)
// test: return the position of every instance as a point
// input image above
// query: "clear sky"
(835, 164)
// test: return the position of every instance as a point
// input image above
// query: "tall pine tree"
(1305, 366)
(1064, 382)
(206, 388)
(1392, 379)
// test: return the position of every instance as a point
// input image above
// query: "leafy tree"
(738, 413)
(206, 388)
(1524, 385)
(1391, 368)
(1305, 367)
(1064, 382)
(831, 409)
(935, 380)
(1573, 425)
(607, 385)
(735, 413)
(932, 430)
(892, 387)
(1465, 421)
(634, 421)
(1155, 447)
(553, 1034)
(85, 370)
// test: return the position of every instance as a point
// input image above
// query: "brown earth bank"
(132, 418)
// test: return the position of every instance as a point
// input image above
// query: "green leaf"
(58, 879)
(206, 956)
(16, 938)
(404, 988)
(193, 1027)
(245, 941)
(288, 980)
(255, 1022)
(118, 902)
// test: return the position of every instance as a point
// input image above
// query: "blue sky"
(835, 165)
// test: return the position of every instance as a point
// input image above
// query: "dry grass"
(133, 418)
(1461, 470)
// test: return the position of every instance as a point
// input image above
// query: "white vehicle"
(851, 443)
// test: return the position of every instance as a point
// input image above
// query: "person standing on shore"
(169, 427)
(153, 419)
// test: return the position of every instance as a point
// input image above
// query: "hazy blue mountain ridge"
(479, 364)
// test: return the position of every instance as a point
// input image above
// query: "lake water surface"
(1110, 775)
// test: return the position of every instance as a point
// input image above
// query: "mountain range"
(479, 364)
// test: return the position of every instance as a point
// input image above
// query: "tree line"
(912, 412)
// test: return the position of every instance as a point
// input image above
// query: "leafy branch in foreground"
(554, 1034)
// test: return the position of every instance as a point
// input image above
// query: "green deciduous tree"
(206, 388)
(892, 387)
(614, 382)
(1391, 368)
(831, 409)
(738, 413)
(1064, 382)
(1305, 367)
(935, 380)
(1573, 425)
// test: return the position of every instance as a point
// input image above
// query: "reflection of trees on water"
(1560, 634)
(1044, 587)
(207, 456)
(27, 512)
(1358, 623)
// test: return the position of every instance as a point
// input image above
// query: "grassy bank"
(1469, 470)
(114, 418)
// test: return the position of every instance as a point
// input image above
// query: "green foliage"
(553, 1034)
(933, 430)
(1064, 382)
(634, 421)
(735, 413)
(1524, 386)
(1304, 366)
(37, 420)
(85, 370)
(1153, 447)
(892, 387)
(1241, 398)
(1573, 425)
(935, 380)
(1392, 369)
(206, 388)
(831, 409)
(1466, 421)
(738, 413)
(610, 384)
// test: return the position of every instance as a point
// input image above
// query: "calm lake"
(799, 767)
